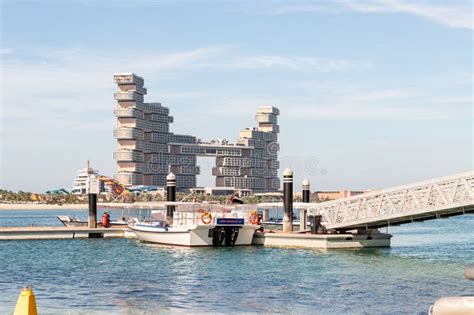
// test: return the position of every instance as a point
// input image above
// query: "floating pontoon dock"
(43, 233)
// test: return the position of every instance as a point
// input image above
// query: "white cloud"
(357, 111)
(322, 7)
(6, 51)
(70, 83)
(79, 80)
(348, 103)
(452, 15)
(456, 15)
(418, 98)
(60, 101)
(293, 63)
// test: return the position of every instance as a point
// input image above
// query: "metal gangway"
(432, 199)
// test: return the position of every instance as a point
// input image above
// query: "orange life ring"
(253, 218)
(206, 217)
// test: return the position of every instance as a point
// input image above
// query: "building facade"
(336, 194)
(147, 151)
(79, 184)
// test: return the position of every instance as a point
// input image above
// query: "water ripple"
(128, 277)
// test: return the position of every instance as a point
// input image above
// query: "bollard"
(266, 215)
(26, 304)
(306, 199)
(315, 223)
(303, 219)
(93, 188)
(92, 221)
(288, 200)
(170, 196)
(306, 191)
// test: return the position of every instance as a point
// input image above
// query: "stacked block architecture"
(147, 151)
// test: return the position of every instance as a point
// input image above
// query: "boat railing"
(198, 214)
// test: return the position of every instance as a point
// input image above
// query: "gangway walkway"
(432, 199)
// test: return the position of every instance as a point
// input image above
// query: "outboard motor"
(218, 236)
(231, 234)
(224, 235)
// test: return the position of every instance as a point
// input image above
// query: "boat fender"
(463, 305)
(469, 272)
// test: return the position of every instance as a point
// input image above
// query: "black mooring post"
(306, 192)
(92, 221)
(304, 212)
(288, 200)
(170, 196)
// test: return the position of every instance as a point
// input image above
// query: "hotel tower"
(147, 151)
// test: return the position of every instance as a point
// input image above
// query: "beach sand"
(32, 206)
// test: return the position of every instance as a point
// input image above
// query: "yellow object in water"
(26, 304)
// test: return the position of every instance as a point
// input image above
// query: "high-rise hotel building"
(147, 151)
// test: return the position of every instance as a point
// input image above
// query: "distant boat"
(70, 221)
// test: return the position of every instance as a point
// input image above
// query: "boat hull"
(198, 236)
(68, 222)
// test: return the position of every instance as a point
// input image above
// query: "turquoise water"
(48, 217)
(122, 276)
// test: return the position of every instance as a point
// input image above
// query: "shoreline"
(81, 206)
(28, 206)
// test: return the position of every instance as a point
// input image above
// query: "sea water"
(124, 276)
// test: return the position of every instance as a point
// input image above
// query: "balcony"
(153, 108)
(128, 133)
(128, 156)
(161, 118)
(130, 167)
(266, 118)
(149, 126)
(269, 128)
(140, 90)
(128, 78)
(268, 110)
(128, 96)
(128, 179)
(128, 113)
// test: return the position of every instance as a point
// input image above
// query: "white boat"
(200, 225)
(71, 221)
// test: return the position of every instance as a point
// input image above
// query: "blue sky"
(372, 94)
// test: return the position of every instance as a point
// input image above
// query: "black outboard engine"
(218, 236)
(224, 236)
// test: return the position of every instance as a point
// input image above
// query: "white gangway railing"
(431, 199)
